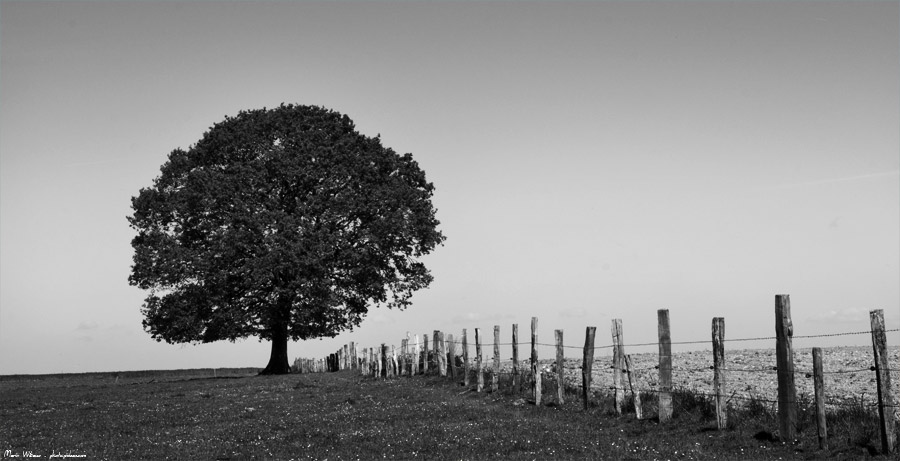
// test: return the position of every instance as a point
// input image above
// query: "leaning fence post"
(465, 354)
(535, 367)
(819, 385)
(636, 395)
(665, 366)
(618, 364)
(718, 347)
(516, 380)
(784, 355)
(587, 364)
(883, 378)
(479, 375)
(560, 367)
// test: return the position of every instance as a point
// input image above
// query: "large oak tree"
(283, 224)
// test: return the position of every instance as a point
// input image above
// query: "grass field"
(236, 415)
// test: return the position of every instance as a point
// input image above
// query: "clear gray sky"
(593, 160)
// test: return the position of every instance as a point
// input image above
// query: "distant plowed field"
(751, 373)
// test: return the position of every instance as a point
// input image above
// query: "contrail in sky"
(882, 174)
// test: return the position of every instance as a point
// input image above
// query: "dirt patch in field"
(750, 374)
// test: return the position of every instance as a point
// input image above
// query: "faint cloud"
(573, 313)
(861, 177)
(87, 331)
(472, 317)
(87, 326)
(835, 223)
(848, 315)
(92, 163)
(377, 318)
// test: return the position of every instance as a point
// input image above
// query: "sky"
(592, 161)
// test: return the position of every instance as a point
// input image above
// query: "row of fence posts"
(415, 358)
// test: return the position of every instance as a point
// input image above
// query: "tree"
(280, 224)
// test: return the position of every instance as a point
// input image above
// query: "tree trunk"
(278, 360)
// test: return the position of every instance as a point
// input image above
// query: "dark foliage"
(280, 224)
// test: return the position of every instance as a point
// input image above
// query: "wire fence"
(524, 365)
(619, 375)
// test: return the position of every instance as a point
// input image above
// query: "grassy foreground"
(344, 416)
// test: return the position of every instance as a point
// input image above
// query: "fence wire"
(673, 343)
(524, 372)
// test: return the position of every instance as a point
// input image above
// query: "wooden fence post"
(380, 356)
(435, 353)
(784, 356)
(495, 376)
(665, 366)
(587, 365)
(718, 349)
(441, 353)
(819, 386)
(478, 371)
(635, 395)
(516, 379)
(560, 367)
(404, 357)
(395, 369)
(535, 367)
(415, 355)
(618, 364)
(465, 354)
(886, 404)
(451, 356)
(425, 354)
(407, 356)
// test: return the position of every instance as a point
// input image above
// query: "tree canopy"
(280, 224)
